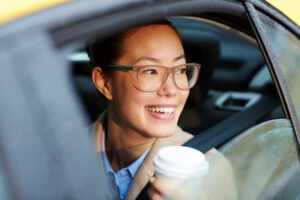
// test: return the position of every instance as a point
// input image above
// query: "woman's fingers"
(153, 195)
(160, 186)
(158, 189)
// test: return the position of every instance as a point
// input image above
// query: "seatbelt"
(144, 193)
(232, 126)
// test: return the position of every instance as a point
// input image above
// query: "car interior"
(233, 80)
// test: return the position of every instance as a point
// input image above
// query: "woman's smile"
(162, 112)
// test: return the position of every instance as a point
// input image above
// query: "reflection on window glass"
(265, 161)
(286, 49)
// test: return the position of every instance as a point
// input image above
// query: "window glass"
(265, 161)
(286, 49)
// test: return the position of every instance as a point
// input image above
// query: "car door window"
(286, 52)
(260, 155)
(265, 161)
(284, 49)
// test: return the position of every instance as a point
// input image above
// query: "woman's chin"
(162, 132)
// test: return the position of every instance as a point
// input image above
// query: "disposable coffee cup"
(182, 168)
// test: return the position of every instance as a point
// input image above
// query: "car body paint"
(289, 7)
(13, 9)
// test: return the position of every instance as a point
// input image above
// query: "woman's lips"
(162, 112)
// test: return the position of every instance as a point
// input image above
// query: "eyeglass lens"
(151, 78)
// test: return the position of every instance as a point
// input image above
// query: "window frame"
(274, 68)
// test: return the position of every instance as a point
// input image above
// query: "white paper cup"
(182, 168)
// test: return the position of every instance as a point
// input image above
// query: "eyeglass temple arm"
(121, 67)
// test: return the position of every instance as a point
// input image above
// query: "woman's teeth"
(161, 109)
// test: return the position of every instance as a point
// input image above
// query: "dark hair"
(108, 50)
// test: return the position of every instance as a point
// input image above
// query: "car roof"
(14, 9)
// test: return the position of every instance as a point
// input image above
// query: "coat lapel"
(146, 170)
(97, 130)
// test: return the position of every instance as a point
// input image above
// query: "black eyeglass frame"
(168, 69)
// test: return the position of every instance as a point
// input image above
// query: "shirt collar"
(132, 168)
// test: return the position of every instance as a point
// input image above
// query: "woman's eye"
(181, 71)
(150, 71)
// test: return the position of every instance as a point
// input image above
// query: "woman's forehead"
(152, 41)
(150, 30)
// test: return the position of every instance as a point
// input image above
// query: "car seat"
(204, 48)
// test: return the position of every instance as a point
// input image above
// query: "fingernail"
(152, 178)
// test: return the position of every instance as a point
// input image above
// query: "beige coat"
(218, 183)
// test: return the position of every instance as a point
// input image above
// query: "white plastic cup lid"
(180, 161)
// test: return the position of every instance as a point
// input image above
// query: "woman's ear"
(101, 82)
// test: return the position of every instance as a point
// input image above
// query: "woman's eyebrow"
(179, 57)
(146, 58)
(156, 60)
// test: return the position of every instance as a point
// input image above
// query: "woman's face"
(132, 108)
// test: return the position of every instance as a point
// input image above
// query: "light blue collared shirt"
(123, 178)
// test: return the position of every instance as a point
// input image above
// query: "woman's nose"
(168, 88)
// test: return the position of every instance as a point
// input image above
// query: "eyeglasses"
(150, 78)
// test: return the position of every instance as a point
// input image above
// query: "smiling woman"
(143, 104)
(143, 75)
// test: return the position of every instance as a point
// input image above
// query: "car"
(246, 102)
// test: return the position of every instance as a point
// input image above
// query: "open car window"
(259, 156)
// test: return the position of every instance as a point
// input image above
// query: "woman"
(143, 74)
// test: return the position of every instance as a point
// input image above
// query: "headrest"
(204, 48)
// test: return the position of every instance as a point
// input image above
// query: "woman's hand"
(158, 189)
